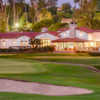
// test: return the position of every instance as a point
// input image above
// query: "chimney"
(72, 28)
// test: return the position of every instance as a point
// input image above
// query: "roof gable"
(84, 29)
(46, 36)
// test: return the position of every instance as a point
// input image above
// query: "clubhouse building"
(65, 39)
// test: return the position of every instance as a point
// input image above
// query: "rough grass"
(45, 54)
(70, 59)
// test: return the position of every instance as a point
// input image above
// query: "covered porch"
(73, 44)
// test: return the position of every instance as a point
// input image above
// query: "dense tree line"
(16, 12)
(17, 15)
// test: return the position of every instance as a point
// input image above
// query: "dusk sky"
(63, 1)
(60, 2)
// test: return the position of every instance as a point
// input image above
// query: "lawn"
(26, 68)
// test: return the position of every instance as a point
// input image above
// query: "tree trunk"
(14, 12)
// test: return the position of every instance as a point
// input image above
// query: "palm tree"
(1, 5)
(32, 13)
(35, 10)
(74, 9)
(12, 4)
(52, 3)
(19, 7)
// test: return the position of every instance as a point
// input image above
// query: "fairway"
(27, 69)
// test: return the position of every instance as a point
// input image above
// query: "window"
(26, 43)
(45, 42)
(4, 43)
(70, 45)
(23, 43)
(14, 42)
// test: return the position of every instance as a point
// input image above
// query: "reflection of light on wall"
(90, 37)
(92, 44)
(64, 35)
(81, 35)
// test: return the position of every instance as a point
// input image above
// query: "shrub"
(94, 53)
(7, 50)
(44, 49)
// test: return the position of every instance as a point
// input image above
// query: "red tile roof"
(29, 34)
(69, 40)
(17, 35)
(54, 33)
(85, 29)
(96, 30)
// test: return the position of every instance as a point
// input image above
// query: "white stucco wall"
(7, 43)
(65, 34)
(78, 33)
(46, 36)
(23, 39)
(96, 36)
(81, 35)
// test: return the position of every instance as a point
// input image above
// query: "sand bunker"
(38, 88)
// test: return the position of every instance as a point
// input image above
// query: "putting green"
(20, 66)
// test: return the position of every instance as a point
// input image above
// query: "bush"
(10, 50)
(94, 53)
(44, 49)
(7, 50)
(89, 53)
(81, 51)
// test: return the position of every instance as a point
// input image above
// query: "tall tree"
(51, 3)
(32, 11)
(1, 5)
(98, 5)
(2, 17)
(66, 7)
(86, 13)
(12, 4)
